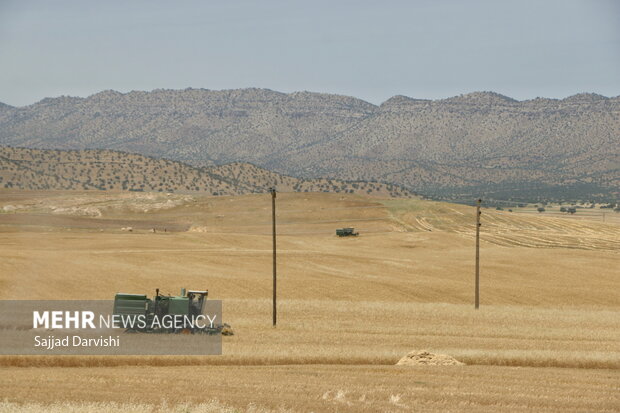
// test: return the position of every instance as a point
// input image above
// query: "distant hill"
(481, 143)
(99, 169)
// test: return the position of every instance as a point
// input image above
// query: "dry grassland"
(322, 388)
(546, 338)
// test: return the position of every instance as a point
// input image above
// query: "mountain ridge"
(475, 142)
(112, 92)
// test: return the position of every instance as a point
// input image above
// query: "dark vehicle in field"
(346, 232)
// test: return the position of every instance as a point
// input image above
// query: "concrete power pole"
(273, 222)
(478, 224)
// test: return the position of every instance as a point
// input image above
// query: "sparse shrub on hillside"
(97, 169)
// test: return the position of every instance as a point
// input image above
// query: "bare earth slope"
(24, 168)
(471, 144)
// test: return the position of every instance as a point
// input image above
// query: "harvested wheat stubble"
(423, 357)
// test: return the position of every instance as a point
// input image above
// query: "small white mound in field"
(196, 228)
(424, 358)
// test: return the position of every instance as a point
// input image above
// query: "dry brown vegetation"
(546, 337)
(212, 406)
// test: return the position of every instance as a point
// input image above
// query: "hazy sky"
(368, 49)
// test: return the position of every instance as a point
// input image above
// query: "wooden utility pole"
(273, 222)
(478, 224)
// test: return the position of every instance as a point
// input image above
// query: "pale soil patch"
(97, 204)
(198, 228)
(425, 358)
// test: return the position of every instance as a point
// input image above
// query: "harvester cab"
(196, 301)
(188, 303)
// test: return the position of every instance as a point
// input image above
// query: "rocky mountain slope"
(100, 169)
(480, 143)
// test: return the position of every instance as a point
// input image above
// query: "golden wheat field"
(546, 338)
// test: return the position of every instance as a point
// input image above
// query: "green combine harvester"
(166, 313)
